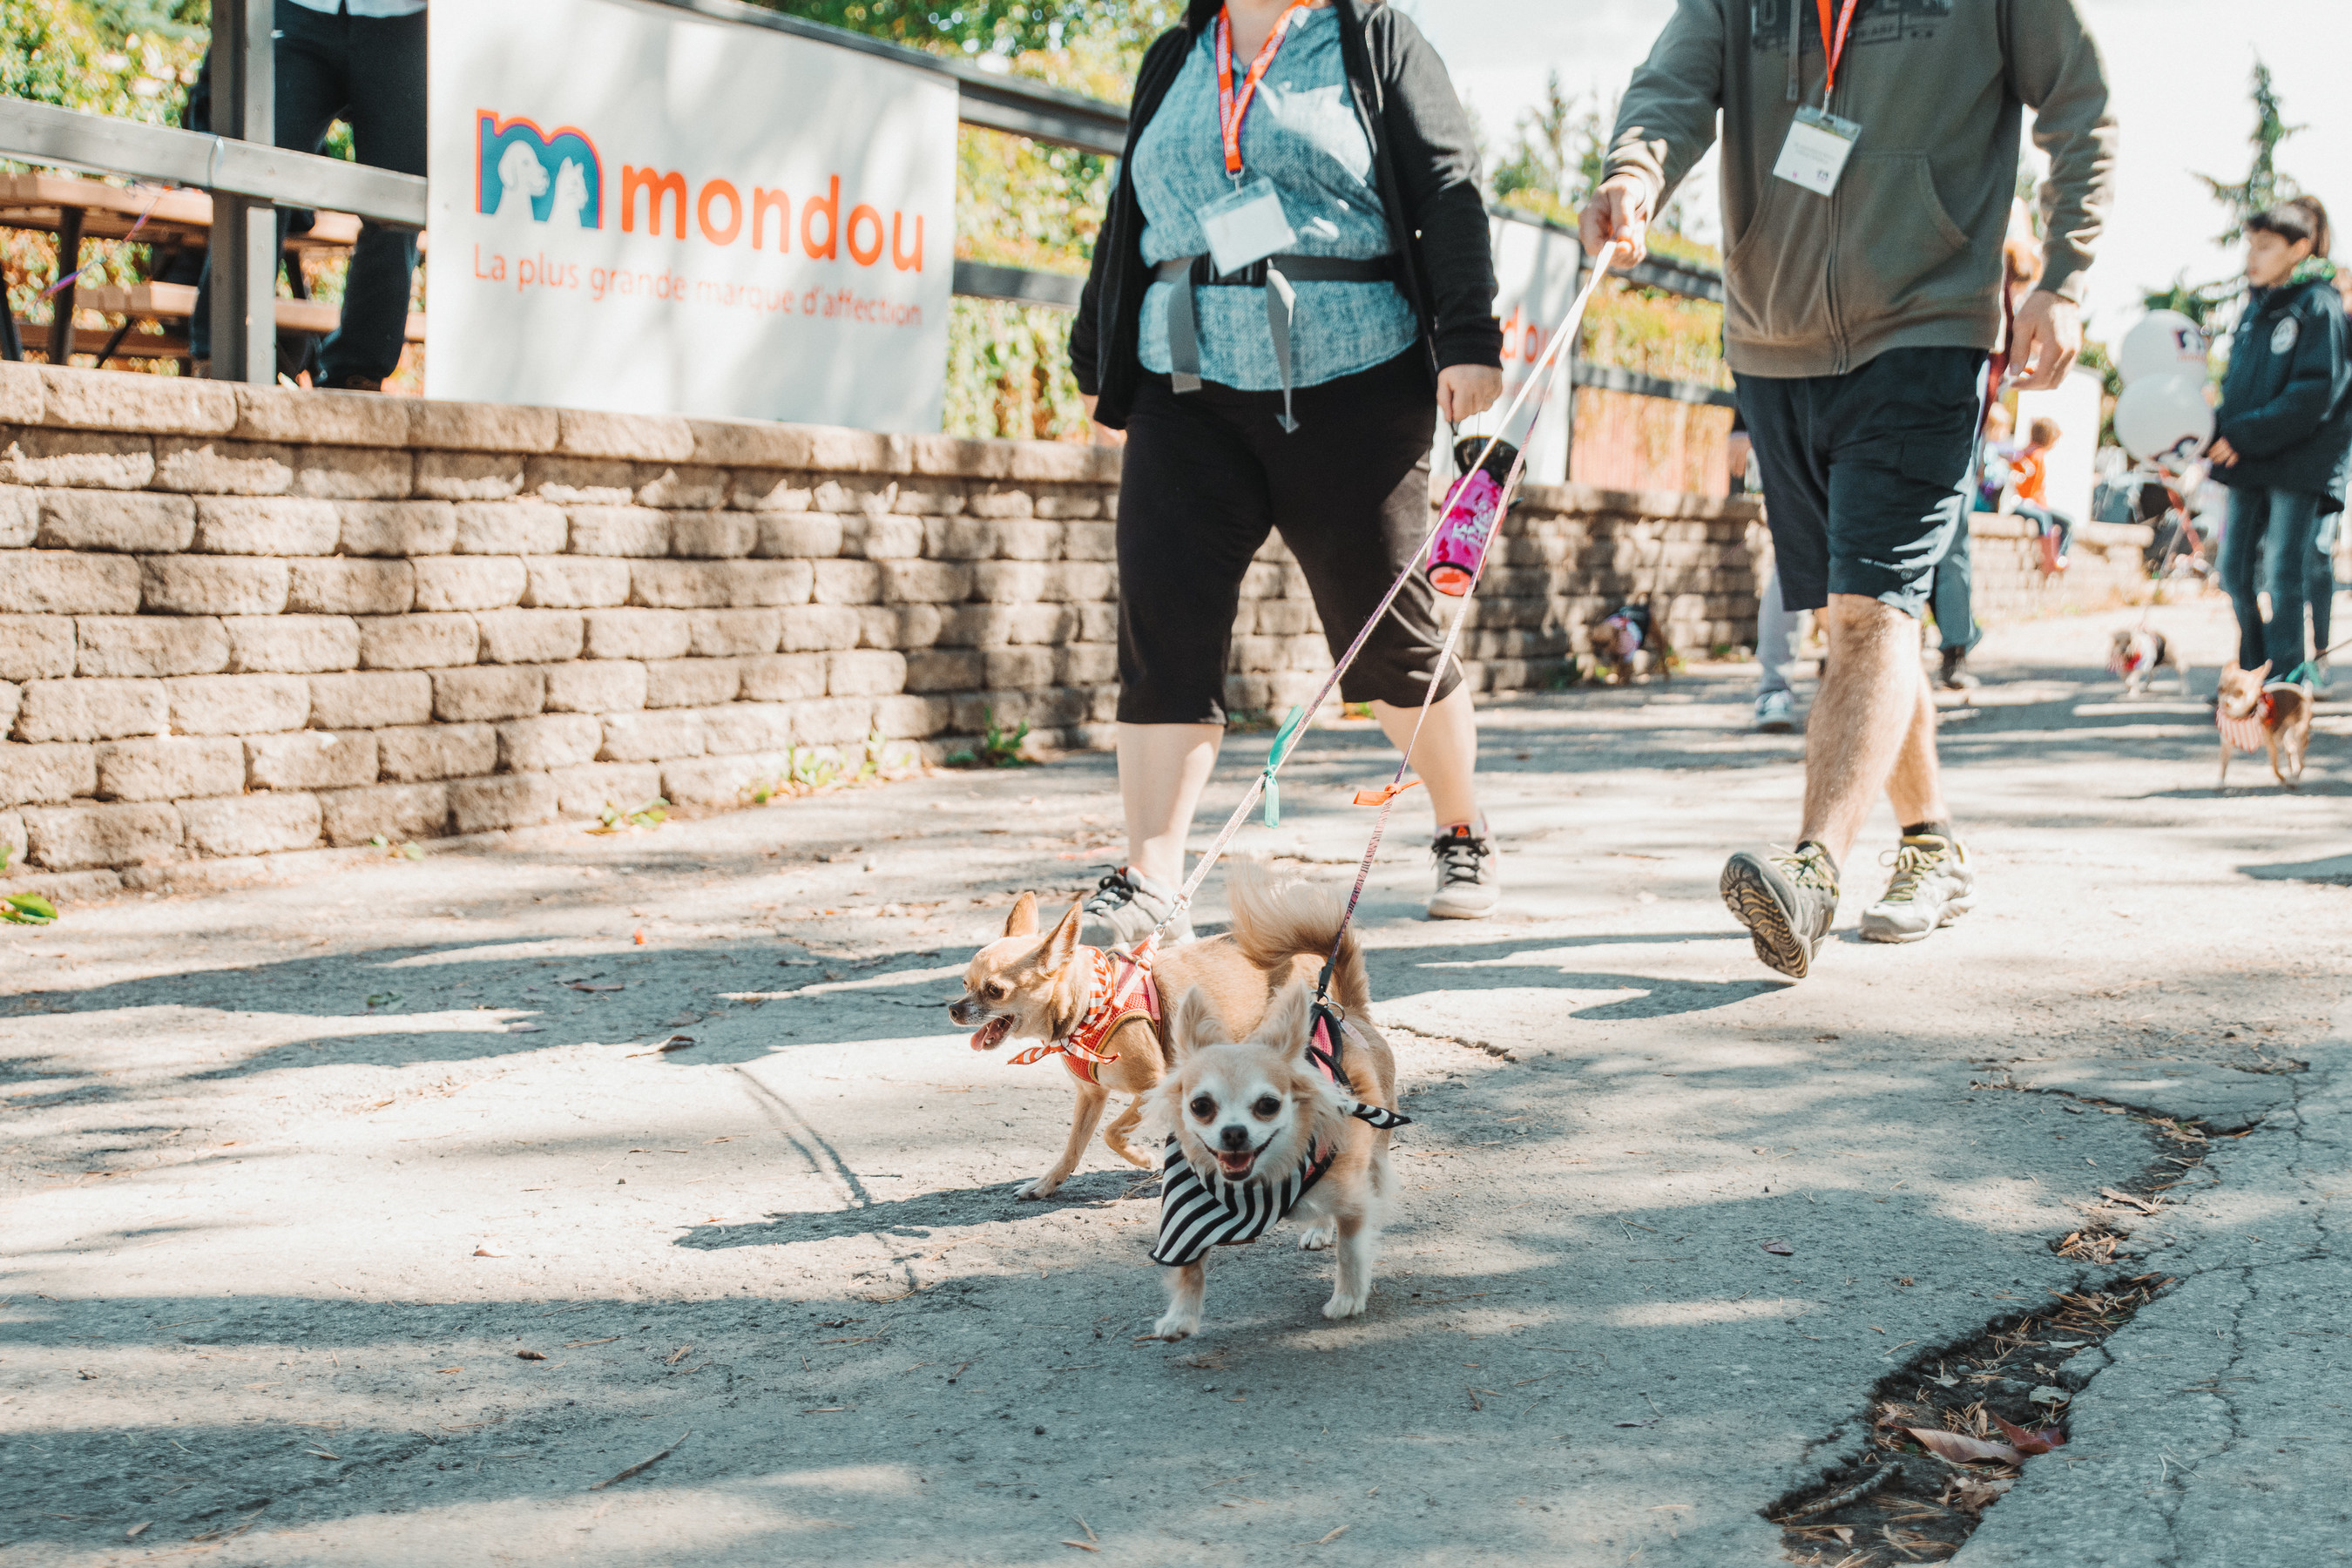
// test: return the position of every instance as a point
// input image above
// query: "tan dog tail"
(1276, 918)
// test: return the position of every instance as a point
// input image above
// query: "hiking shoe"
(1956, 676)
(1786, 901)
(1933, 885)
(1123, 909)
(1775, 713)
(1467, 886)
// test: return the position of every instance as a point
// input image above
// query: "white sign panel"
(637, 209)
(1536, 277)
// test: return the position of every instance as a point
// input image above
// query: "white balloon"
(2162, 342)
(2165, 416)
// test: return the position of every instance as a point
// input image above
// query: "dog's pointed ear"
(1022, 920)
(2261, 669)
(1196, 1023)
(1062, 942)
(1290, 1022)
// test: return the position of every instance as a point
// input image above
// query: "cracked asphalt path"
(294, 1175)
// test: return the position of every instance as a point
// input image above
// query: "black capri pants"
(1207, 475)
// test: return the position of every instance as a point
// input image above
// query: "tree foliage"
(2265, 186)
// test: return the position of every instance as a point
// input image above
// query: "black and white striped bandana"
(1196, 1215)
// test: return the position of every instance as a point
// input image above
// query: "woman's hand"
(2222, 454)
(1103, 435)
(1464, 390)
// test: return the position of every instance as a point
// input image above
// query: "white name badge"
(1815, 153)
(1246, 225)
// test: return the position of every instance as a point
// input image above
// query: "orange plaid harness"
(1118, 987)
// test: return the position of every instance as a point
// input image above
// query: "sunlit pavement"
(362, 1219)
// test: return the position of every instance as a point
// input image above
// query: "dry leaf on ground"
(1780, 1248)
(2026, 1442)
(1962, 1449)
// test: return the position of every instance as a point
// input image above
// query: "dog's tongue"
(989, 1034)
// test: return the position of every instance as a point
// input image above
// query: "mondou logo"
(557, 178)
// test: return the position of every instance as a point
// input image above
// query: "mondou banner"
(1536, 280)
(637, 209)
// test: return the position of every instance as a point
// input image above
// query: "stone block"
(436, 751)
(908, 717)
(681, 584)
(121, 400)
(635, 531)
(839, 451)
(768, 584)
(1043, 624)
(46, 773)
(511, 800)
(740, 728)
(692, 682)
(1027, 539)
(582, 481)
(878, 626)
(111, 520)
(782, 677)
(833, 720)
(149, 644)
(77, 838)
(469, 476)
(403, 528)
(237, 704)
(925, 582)
(481, 426)
(36, 647)
(855, 495)
(337, 585)
(817, 627)
(511, 528)
(638, 633)
(353, 473)
(77, 459)
(1090, 664)
(1021, 668)
(693, 487)
(937, 499)
(417, 642)
(769, 492)
(959, 537)
(646, 437)
(805, 536)
(1090, 542)
(397, 814)
(264, 525)
(170, 767)
(1068, 505)
(20, 393)
(1099, 623)
(1065, 462)
(883, 538)
(722, 634)
(13, 845)
(469, 582)
(751, 444)
(960, 457)
(720, 783)
(251, 824)
(294, 644)
(214, 584)
(1082, 581)
(370, 700)
(67, 583)
(311, 759)
(334, 418)
(846, 583)
(20, 517)
(213, 467)
(528, 637)
(997, 500)
(864, 673)
(595, 686)
(585, 791)
(549, 740)
(652, 737)
(712, 535)
(574, 582)
(1011, 582)
(487, 691)
(946, 670)
(84, 710)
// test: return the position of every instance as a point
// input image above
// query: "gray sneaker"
(1933, 886)
(1775, 713)
(1123, 909)
(1786, 899)
(1468, 886)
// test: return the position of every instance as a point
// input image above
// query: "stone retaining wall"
(238, 622)
(2107, 567)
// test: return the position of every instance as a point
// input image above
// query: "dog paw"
(1342, 1305)
(1040, 1188)
(1316, 1237)
(1175, 1326)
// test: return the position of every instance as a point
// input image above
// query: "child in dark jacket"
(2284, 430)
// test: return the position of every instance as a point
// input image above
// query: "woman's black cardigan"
(1424, 156)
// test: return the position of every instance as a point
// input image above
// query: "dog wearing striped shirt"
(1274, 1125)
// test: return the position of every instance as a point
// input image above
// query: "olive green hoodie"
(1907, 251)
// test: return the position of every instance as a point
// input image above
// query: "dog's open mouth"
(1235, 1166)
(992, 1034)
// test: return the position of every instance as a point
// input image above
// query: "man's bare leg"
(1873, 726)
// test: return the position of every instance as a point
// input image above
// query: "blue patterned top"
(1302, 135)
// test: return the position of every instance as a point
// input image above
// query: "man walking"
(1870, 150)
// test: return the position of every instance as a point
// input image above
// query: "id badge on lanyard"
(1814, 156)
(1247, 224)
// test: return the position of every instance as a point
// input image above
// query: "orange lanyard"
(1833, 42)
(1230, 109)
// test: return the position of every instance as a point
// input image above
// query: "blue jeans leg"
(2267, 550)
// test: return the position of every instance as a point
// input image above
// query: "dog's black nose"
(1234, 1138)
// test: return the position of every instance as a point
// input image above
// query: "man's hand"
(1618, 212)
(2222, 454)
(2049, 334)
(1464, 390)
(1103, 435)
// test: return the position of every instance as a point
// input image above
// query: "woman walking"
(1293, 281)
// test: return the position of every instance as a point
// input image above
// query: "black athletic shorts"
(1207, 474)
(1866, 474)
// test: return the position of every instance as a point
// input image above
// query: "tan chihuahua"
(1050, 988)
(2253, 717)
